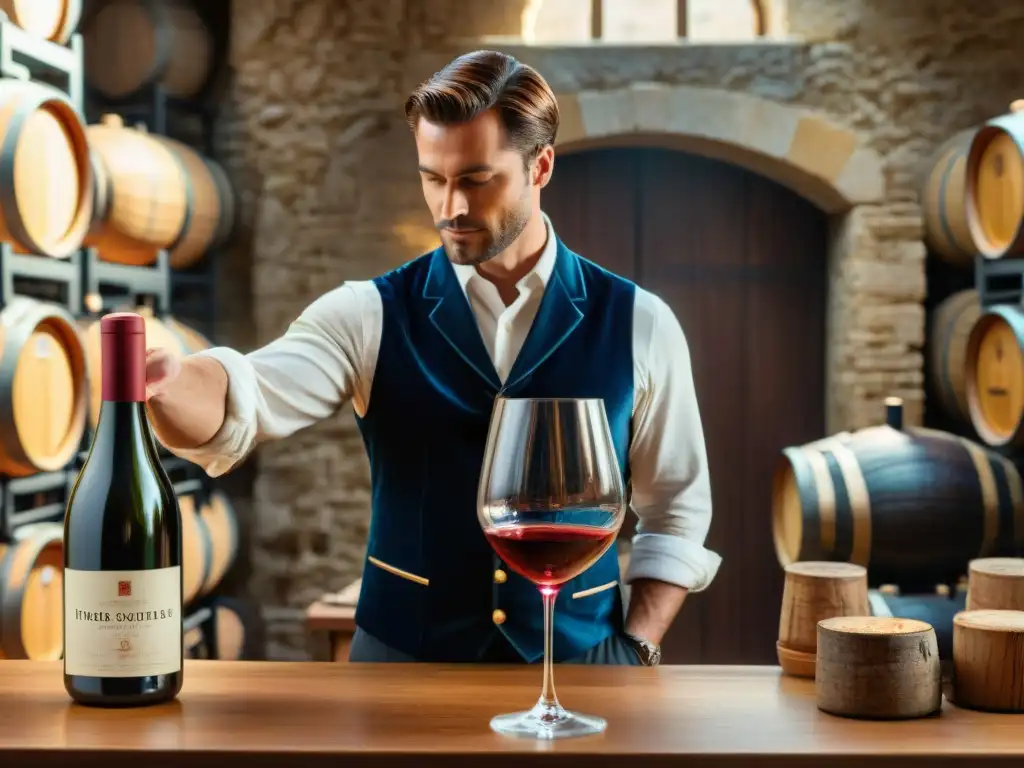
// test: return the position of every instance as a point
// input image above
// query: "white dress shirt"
(328, 355)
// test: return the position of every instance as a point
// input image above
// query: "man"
(422, 352)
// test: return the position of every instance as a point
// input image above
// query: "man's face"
(478, 190)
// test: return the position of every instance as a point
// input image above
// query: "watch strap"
(649, 653)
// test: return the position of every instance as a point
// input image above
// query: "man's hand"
(162, 367)
(653, 606)
(185, 397)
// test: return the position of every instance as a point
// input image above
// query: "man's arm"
(669, 472)
(225, 403)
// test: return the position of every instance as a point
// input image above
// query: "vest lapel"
(559, 313)
(453, 317)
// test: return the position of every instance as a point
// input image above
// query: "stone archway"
(803, 149)
(824, 162)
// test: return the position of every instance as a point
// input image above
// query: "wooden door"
(742, 262)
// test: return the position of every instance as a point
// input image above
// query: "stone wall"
(313, 135)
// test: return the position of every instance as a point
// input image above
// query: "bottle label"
(122, 623)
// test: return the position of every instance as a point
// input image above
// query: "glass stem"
(547, 696)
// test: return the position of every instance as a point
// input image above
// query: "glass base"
(548, 722)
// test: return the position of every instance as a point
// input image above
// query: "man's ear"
(543, 166)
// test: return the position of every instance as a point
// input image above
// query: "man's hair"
(476, 82)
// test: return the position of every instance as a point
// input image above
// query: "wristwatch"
(649, 653)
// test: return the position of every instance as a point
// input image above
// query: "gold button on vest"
(498, 616)
(500, 577)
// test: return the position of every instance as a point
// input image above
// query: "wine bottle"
(123, 633)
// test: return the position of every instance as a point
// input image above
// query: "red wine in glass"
(550, 554)
(551, 501)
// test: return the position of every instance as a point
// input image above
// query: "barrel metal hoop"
(1015, 489)
(190, 195)
(826, 498)
(228, 203)
(103, 189)
(951, 161)
(17, 331)
(22, 553)
(202, 534)
(70, 21)
(796, 461)
(8, 159)
(945, 379)
(860, 502)
(163, 43)
(232, 544)
(989, 496)
(1002, 125)
(37, 95)
(986, 480)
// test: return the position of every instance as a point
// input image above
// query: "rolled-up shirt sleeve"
(671, 489)
(321, 362)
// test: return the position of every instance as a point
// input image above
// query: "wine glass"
(551, 501)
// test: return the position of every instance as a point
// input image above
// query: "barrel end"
(988, 244)
(999, 330)
(787, 507)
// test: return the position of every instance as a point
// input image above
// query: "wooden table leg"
(331, 622)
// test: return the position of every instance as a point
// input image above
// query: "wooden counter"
(297, 715)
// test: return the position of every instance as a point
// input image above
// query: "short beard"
(512, 224)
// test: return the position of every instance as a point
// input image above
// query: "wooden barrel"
(188, 339)
(230, 629)
(132, 44)
(32, 595)
(155, 193)
(144, 200)
(46, 185)
(995, 185)
(53, 20)
(222, 637)
(218, 518)
(194, 643)
(211, 205)
(167, 333)
(950, 326)
(912, 505)
(195, 549)
(994, 375)
(943, 202)
(209, 542)
(43, 386)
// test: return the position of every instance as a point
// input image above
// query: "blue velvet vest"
(432, 586)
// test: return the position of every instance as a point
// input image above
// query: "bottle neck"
(122, 418)
(122, 421)
(123, 358)
(122, 441)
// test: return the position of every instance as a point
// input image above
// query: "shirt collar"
(541, 271)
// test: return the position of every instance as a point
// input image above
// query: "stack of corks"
(988, 637)
(863, 665)
(882, 667)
